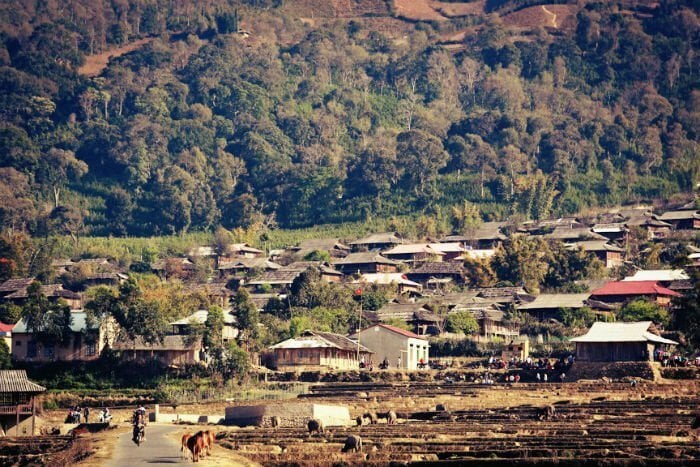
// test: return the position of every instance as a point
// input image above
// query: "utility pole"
(359, 328)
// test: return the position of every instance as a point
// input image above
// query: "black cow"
(352, 443)
(315, 425)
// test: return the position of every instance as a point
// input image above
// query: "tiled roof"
(412, 248)
(6, 327)
(621, 332)
(679, 215)
(556, 301)
(12, 285)
(248, 263)
(442, 267)
(595, 245)
(384, 237)
(16, 381)
(364, 258)
(566, 233)
(634, 288)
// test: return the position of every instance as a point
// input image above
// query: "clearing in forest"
(95, 64)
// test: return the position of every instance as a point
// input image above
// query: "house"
(492, 324)
(174, 350)
(241, 267)
(53, 292)
(610, 255)
(377, 242)
(215, 292)
(573, 234)
(682, 220)
(452, 251)
(105, 278)
(616, 342)
(316, 349)
(612, 231)
(438, 275)
(391, 343)
(178, 267)
(62, 266)
(282, 278)
(183, 326)
(84, 343)
(243, 250)
(333, 246)
(547, 306)
(503, 295)
(486, 236)
(621, 292)
(365, 262)
(656, 229)
(400, 311)
(17, 401)
(413, 253)
(13, 285)
(397, 279)
(665, 277)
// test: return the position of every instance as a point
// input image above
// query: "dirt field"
(547, 16)
(94, 64)
(418, 10)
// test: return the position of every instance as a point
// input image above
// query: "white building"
(391, 343)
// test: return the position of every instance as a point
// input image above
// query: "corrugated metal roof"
(318, 339)
(658, 275)
(634, 288)
(386, 279)
(412, 248)
(365, 258)
(622, 332)
(391, 328)
(16, 381)
(77, 323)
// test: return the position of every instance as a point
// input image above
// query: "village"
(409, 350)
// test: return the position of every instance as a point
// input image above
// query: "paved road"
(159, 448)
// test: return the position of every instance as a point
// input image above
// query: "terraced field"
(594, 423)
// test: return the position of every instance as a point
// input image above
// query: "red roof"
(634, 288)
(6, 327)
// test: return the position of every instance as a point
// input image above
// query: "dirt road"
(158, 448)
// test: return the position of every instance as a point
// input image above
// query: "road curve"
(158, 448)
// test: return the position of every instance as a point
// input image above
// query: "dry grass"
(455, 10)
(547, 16)
(219, 456)
(418, 10)
(95, 64)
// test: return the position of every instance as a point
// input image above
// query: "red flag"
(358, 291)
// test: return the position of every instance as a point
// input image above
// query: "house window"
(48, 351)
(31, 349)
(91, 349)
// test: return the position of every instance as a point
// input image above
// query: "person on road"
(86, 413)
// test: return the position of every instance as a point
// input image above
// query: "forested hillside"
(234, 112)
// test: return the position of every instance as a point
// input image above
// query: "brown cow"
(183, 447)
(209, 439)
(196, 445)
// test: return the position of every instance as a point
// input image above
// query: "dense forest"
(240, 112)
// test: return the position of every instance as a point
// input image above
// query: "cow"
(360, 420)
(545, 413)
(391, 417)
(352, 443)
(183, 446)
(196, 445)
(441, 408)
(276, 421)
(696, 423)
(315, 425)
(209, 439)
(372, 417)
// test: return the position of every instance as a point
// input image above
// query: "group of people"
(75, 413)
(139, 421)
(669, 359)
(563, 364)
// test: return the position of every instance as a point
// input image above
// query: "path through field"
(552, 15)
(159, 448)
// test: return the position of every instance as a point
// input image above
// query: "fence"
(270, 391)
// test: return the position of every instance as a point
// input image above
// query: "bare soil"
(546, 16)
(95, 64)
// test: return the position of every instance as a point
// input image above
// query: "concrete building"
(391, 343)
(619, 342)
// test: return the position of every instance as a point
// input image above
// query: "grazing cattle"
(391, 417)
(209, 439)
(315, 425)
(545, 413)
(696, 422)
(371, 416)
(196, 445)
(276, 421)
(360, 421)
(441, 408)
(183, 446)
(352, 443)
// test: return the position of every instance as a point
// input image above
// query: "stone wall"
(290, 414)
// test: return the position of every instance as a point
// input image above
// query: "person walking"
(86, 413)
(398, 362)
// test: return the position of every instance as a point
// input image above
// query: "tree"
(213, 331)
(58, 168)
(522, 261)
(247, 316)
(5, 359)
(686, 314)
(236, 362)
(644, 310)
(421, 155)
(465, 218)
(462, 321)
